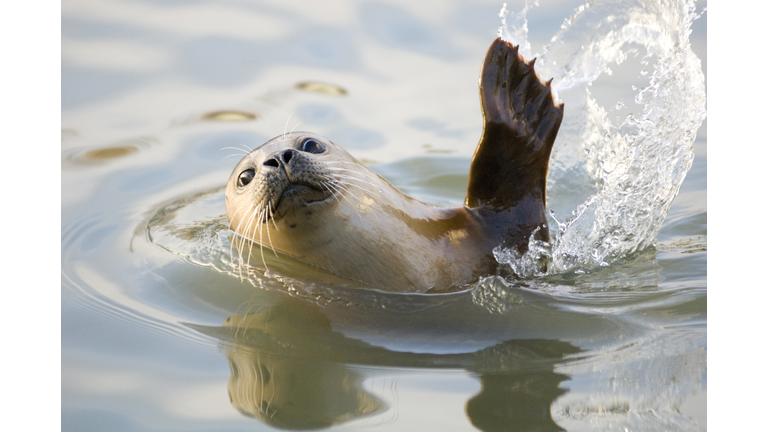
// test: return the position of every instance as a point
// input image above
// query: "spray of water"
(514, 27)
(628, 170)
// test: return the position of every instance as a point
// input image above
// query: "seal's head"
(291, 174)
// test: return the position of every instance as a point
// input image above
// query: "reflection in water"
(318, 87)
(109, 153)
(516, 401)
(281, 381)
(100, 155)
(291, 369)
(296, 395)
(229, 116)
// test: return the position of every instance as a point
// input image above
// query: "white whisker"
(238, 150)
(236, 229)
(248, 226)
(294, 128)
(286, 124)
(268, 236)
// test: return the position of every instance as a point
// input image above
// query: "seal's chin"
(297, 196)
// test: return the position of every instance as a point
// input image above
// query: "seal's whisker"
(359, 187)
(238, 238)
(261, 243)
(253, 222)
(332, 189)
(232, 155)
(231, 241)
(246, 216)
(286, 124)
(337, 169)
(363, 179)
(238, 249)
(257, 220)
(236, 229)
(361, 176)
(341, 165)
(343, 186)
(353, 164)
(271, 217)
(339, 187)
(236, 149)
(251, 246)
(359, 199)
(247, 240)
(269, 207)
(294, 127)
(344, 176)
(247, 230)
(347, 187)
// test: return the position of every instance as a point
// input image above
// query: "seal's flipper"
(521, 123)
(509, 167)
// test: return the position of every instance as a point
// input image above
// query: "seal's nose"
(288, 155)
(274, 161)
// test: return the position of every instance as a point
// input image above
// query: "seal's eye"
(312, 146)
(245, 177)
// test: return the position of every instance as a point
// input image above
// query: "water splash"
(530, 264)
(629, 171)
(515, 28)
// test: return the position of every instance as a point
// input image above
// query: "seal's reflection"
(279, 379)
(290, 369)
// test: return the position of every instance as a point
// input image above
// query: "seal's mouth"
(298, 195)
(309, 194)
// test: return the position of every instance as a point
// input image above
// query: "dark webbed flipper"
(509, 169)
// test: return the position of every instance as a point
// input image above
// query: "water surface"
(161, 331)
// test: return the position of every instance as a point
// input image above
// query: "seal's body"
(302, 195)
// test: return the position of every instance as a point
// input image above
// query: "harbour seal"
(302, 195)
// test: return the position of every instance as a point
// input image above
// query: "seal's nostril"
(287, 156)
(272, 162)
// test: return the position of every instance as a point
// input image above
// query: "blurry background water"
(159, 334)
